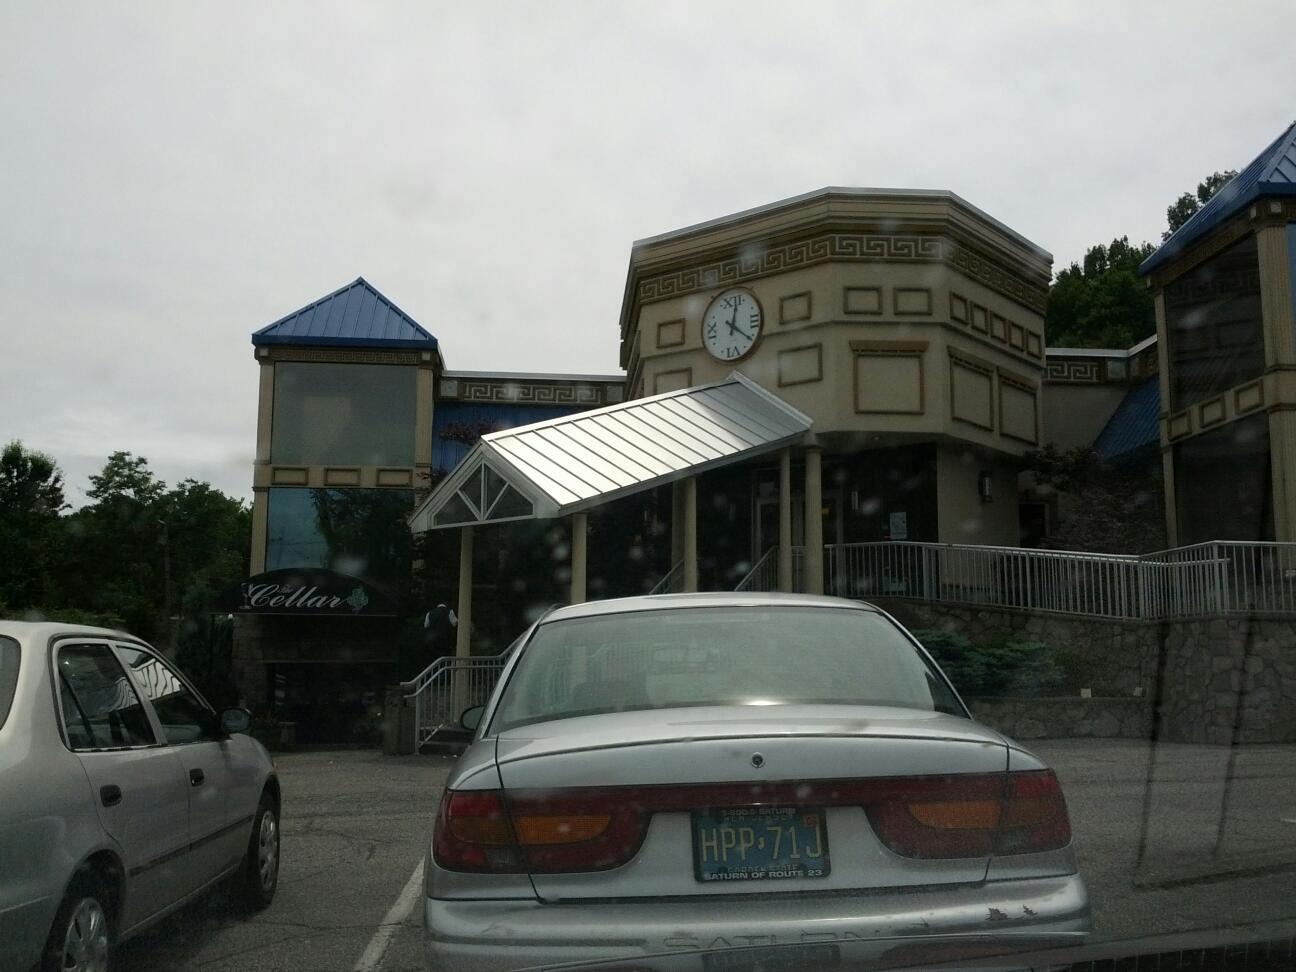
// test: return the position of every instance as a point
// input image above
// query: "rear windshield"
(718, 656)
(8, 676)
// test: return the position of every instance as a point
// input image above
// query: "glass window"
(1223, 487)
(8, 676)
(100, 708)
(357, 532)
(183, 716)
(352, 414)
(1214, 326)
(718, 656)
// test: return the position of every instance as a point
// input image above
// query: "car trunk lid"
(715, 781)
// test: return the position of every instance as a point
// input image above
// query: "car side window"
(183, 715)
(101, 709)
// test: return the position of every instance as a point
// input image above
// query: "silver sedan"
(694, 772)
(124, 796)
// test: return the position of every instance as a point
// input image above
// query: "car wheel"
(259, 876)
(81, 937)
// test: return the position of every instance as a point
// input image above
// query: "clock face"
(731, 326)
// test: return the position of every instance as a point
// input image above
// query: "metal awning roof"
(569, 464)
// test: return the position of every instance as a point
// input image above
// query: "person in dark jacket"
(439, 626)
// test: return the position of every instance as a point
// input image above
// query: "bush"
(1003, 665)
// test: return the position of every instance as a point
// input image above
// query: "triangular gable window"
(484, 495)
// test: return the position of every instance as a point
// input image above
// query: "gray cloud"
(174, 176)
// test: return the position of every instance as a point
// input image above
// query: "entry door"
(767, 521)
(138, 786)
(221, 775)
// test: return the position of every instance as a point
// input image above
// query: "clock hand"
(733, 327)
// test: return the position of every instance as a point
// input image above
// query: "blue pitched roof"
(356, 316)
(1134, 425)
(1271, 173)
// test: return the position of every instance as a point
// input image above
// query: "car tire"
(81, 936)
(258, 877)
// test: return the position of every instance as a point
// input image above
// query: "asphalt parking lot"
(1176, 839)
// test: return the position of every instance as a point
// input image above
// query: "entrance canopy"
(577, 462)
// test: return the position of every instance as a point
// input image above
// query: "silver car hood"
(683, 725)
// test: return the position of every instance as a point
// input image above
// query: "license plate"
(760, 844)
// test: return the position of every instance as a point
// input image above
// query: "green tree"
(1102, 303)
(31, 502)
(1187, 205)
(112, 551)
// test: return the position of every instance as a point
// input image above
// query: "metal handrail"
(447, 687)
(763, 576)
(672, 583)
(1216, 578)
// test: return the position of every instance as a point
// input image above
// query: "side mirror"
(235, 720)
(472, 718)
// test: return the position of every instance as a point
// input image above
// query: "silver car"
(693, 772)
(122, 796)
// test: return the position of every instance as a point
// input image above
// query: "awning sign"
(308, 591)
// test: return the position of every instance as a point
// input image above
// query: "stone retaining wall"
(1209, 680)
(1065, 718)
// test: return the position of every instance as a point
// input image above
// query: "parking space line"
(391, 923)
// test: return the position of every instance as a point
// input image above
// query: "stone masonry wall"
(1209, 680)
(1120, 656)
(1070, 718)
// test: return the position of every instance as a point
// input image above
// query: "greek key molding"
(540, 394)
(1073, 371)
(851, 247)
(996, 277)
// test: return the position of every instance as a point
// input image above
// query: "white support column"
(464, 630)
(579, 531)
(689, 489)
(812, 563)
(785, 522)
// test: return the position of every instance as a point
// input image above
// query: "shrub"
(1003, 665)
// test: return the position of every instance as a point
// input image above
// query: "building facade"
(842, 367)
(1227, 334)
(357, 418)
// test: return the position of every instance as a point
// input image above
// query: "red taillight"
(1035, 815)
(537, 831)
(473, 833)
(972, 816)
(938, 816)
(595, 829)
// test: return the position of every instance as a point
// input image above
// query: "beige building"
(907, 324)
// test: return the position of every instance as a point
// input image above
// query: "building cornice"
(826, 227)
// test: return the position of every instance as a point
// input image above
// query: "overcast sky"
(175, 175)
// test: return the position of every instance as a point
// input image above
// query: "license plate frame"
(801, 827)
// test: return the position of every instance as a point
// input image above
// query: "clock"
(731, 326)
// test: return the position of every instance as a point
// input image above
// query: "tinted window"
(100, 708)
(8, 676)
(183, 717)
(1223, 483)
(1213, 325)
(721, 656)
(355, 414)
(358, 532)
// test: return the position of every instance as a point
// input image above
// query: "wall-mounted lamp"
(985, 486)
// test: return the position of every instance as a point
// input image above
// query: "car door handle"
(196, 777)
(110, 795)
